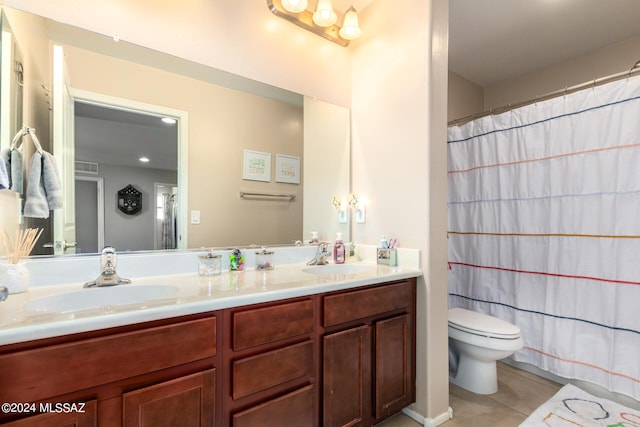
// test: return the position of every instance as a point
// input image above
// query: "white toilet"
(476, 342)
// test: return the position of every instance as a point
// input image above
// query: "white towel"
(13, 161)
(44, 191)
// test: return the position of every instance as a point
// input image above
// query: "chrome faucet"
(108, 276)
(322, 253)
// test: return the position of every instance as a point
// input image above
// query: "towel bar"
(289, 197)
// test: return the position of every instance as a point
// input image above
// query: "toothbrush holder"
(387, 257)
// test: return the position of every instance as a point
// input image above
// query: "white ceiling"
(494, 40)
(117, 137)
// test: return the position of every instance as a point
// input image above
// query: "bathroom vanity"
(327, 351)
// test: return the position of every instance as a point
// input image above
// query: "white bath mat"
(572, 407)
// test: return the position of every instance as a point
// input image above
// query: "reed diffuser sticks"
(21, 246)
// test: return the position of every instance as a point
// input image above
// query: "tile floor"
(519, 394)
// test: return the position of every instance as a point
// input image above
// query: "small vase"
(15, 277)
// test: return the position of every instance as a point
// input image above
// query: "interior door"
(64, 220)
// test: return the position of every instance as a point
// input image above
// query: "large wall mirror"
(108, 137)
(11, 83)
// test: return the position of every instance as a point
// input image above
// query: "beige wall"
(464, 97)
(222, 123)
(603, 62)
(9, 208)
(399, 161)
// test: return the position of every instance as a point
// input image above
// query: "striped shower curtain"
(169, 226)
(544, 230)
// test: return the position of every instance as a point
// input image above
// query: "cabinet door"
(347, 377)
(186, 402)
(393, 349)
(85, 418)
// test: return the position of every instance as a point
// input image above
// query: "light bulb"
(324, 16)
(294, 6)
(350, 29)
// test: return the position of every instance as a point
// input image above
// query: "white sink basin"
(338, 269)
(95, 298)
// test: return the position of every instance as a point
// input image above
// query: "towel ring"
(25, 130)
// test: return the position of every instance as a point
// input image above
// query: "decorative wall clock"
(129, 200)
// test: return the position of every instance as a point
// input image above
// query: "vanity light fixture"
(295, 6)
(324, 16)
(168, 120)
(143, 159)
(322, 21)
(353, 201)
(336, 202)
(350, 29)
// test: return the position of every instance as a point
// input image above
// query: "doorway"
(166, 202)
(89, 214)
(131, 145)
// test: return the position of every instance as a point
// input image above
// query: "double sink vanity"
(327, 345)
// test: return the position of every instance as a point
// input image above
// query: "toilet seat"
(481, 324)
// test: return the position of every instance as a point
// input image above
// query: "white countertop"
(194, 294)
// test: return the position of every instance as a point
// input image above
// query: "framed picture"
(256, 166)
(287, 169)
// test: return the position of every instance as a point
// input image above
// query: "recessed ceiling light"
(144, 159)
(169, 120)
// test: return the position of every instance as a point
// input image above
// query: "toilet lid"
(482, 324)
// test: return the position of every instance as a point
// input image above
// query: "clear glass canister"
(264, 260)
(210, 265)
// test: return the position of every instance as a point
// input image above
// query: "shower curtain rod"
(569, 89)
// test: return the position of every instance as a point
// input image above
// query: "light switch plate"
(360, 214)
(342, 216)
(195, 217)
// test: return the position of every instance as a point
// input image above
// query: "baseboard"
(429, 422)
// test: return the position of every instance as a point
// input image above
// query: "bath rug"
(573, 407)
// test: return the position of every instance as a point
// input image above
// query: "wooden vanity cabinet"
(145, 374)
(368, 353)
(329, 359)
(270, 364)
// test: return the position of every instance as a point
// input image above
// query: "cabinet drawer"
(64, 368)
(257, 373)
(348, 306)
(265, 325)
(292, 409)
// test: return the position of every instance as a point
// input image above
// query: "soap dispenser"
(339, 250)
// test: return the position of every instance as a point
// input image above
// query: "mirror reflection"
(11, 78)
(107, 161)
(198, 176)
